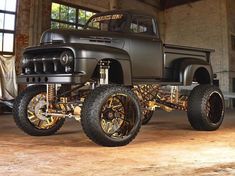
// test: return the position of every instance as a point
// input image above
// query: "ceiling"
(165, 4)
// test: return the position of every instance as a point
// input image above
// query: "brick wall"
(22, 29)
(134, 4)
(231, 31)
(33, 17)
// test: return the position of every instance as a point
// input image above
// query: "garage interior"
(167, 145)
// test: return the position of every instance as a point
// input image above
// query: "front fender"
(88, 56)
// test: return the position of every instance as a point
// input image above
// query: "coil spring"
(51, 92)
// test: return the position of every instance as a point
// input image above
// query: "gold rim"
(115, 120)
(36, 110)
(215, 107)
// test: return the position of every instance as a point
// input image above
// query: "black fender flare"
(190, 70)
(89, 56)
(187, 67)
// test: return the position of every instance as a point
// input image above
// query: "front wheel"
(147, 116)
(111, 116)
(28, 113)
(206, 108)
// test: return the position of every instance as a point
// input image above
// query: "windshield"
(111, 23)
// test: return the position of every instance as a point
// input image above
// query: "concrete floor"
(166, 146)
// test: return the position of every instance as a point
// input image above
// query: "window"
(109, 22)
(142, 25)
(233, 42)
(7, 26)
(69, 16)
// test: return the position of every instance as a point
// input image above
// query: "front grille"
(45, 64)
(100, 39)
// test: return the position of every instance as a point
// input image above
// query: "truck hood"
(54, 36)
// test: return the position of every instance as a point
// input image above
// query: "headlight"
(24, 62)
(66, 58)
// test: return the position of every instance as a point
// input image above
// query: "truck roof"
(126, 11)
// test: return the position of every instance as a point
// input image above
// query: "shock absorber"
(104, 72)
(50, 95)
(174, 94)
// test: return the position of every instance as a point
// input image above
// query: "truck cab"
(142, 39)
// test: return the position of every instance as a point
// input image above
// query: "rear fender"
(189, 73)
(186, 68)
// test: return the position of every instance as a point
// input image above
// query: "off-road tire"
(147, 117)
(90, 115)
(20, 113)
(202, 98)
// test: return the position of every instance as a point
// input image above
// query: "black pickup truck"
(112, 76)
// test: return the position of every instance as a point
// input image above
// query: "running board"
(8, 103)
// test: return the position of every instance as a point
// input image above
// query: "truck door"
(145, 48)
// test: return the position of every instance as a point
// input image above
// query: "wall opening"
(65, 15)
(233, 91)
(7, 26)
(233, 42)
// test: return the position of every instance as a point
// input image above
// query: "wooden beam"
(158, 7)
(166, 4)
(113, 4)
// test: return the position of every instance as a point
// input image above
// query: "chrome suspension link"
(104, 72)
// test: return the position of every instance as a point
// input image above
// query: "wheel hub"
(109, 114)
(36, 113)
(39, 109)
(114, 120)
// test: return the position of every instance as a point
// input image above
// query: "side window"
(142, 25)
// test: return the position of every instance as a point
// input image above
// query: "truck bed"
(171, 52)
(174, 52)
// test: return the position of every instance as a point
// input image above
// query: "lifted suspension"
(154, 96)
(59, 105)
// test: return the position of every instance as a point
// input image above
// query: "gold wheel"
(36, 113)
(111, 115)
(116, 121)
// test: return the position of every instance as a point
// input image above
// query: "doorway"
(234, 91)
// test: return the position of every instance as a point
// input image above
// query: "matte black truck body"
(140, 57)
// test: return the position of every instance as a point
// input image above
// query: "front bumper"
(51, 79)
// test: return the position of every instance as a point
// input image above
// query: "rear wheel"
(28, 113)
(206, 108)
(111, 116)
